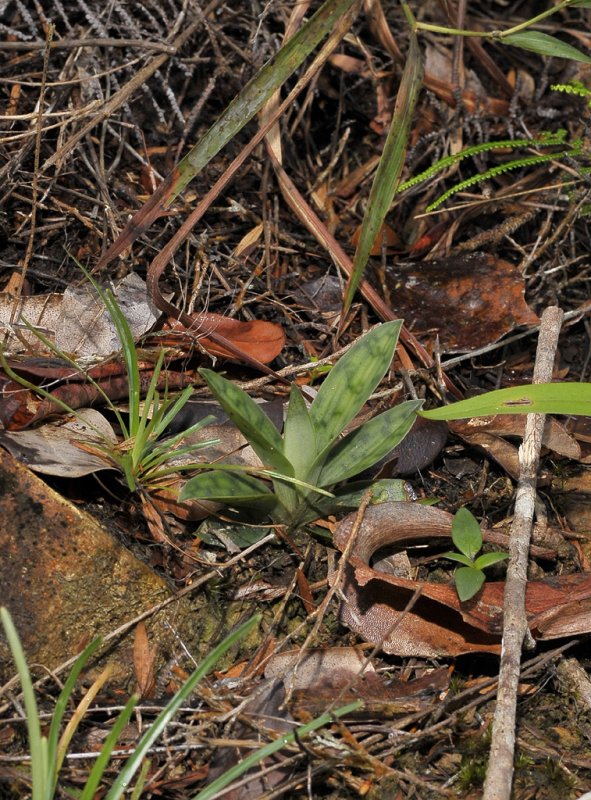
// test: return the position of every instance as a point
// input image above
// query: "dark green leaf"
(364, 446)
(258, 91)
(466, 533)
(461, 559)
(540, 398)
(230, 488)
(544, 45)
(351, 381)
(488, 559)
(468, 582)
(254, 424)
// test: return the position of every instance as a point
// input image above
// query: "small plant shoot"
(467, 537)
(312, 456)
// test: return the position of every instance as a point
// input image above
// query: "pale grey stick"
(499, 776)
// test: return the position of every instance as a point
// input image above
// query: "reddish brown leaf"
(144, 660)
(469, 301)
(259, 339)
(438, 624)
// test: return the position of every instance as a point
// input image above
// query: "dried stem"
(515, 629)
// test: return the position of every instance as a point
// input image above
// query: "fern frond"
(574, 87)
(493, 172)
(545, 140)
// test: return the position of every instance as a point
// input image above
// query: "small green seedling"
(467, 537)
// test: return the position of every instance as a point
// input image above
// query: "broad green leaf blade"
(540, 398)
(467, 562)
(544, 45)
(168, 712)
(466, 533)
(215, 787)
(299, 447)
(488, 559)
(254, 424)
(364, 446)
(389, 169)
(299, 437)
(468, 582)
(351, 381)
(230, 488)
(258, 91)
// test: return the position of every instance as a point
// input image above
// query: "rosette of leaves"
(311, 457)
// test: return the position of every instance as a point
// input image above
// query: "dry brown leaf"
(469, 301)
(144, 661)
(375, 603)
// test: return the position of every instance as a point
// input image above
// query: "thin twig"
(499, 776)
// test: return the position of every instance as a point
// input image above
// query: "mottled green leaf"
(469, 581)
(466, 533)
(351, 381)
(230, 488)
(364, 446)
(488, 559)
(299, 437)
(540, 398)
(254, 424)
(388, 490)
(544, 45)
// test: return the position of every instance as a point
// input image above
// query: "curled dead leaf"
(375, 603)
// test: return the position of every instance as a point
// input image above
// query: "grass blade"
(40, 770)
(156, 729)
(539, 398)
(258, 91)
(390, 167)
(106, 750)
(250, 761)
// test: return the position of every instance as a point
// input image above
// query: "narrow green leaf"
(258, 90)
(216, 786)
(92, 784)
(351, 381)
(62, 704)
(168, 712)
(461, 559)
(488, 559)
(231, 488)
(540, 398)
(468, 582)
(545, 45)
(366, 445)
(389, 169)
(40, 769)
(580, 4)
(466, 533)
(254, 424)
